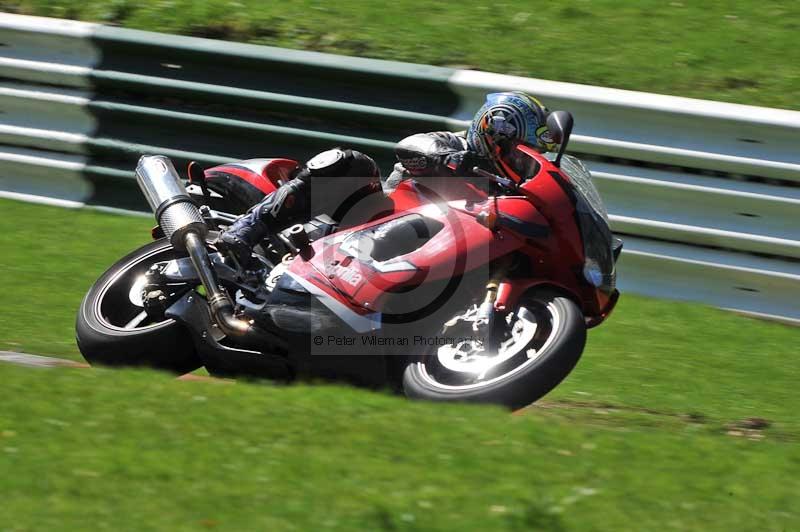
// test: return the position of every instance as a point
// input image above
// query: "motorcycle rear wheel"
(549, 349)
(112, 330)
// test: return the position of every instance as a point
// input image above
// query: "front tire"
(518, 378)
(112, 330)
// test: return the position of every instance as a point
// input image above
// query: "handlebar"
(493, 177)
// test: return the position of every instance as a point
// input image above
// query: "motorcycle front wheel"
(539, 344)
(113, 329)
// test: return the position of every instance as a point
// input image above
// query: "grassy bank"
(50, 257)
(743, 52)
(678, 416)
(138, 451)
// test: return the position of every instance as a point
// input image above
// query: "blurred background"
(742, 52)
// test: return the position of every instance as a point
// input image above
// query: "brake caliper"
(154, 299)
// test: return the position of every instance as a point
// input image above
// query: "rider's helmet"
(504, 118)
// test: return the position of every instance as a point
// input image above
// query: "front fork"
(493, 307)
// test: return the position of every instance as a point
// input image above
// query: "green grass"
(49, 259)
(743, 52)
(138, 451)
(649, 432)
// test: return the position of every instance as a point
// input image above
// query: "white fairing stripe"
(358, 322)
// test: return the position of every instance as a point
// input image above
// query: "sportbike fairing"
(358, 269)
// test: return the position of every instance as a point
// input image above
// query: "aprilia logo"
(348, 275)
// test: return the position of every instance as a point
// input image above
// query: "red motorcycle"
(446, 289)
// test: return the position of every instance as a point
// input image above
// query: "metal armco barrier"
(705, 194)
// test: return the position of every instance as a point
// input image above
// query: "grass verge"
(744, 52)
(678, 416)
(137, 451)
(50, 257)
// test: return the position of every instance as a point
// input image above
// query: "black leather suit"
(437, 154)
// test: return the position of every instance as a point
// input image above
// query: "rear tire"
(100, 328)
(520, 385)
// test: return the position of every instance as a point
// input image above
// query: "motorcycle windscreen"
(598, 241)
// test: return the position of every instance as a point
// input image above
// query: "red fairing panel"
(354, 269)
(461, 245)
(410, 194)
(550, 199)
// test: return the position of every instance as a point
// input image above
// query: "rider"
(504, 118)
(291, 202)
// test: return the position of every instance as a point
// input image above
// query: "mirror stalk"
(560, 125)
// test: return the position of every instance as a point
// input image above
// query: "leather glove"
(461, 163)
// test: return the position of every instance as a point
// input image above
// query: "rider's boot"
(272, 214)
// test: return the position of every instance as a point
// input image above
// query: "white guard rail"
(705, 194)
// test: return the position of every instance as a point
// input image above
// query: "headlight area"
(598, 268)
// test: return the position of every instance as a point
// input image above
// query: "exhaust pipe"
(183, 225)
(175, 211)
